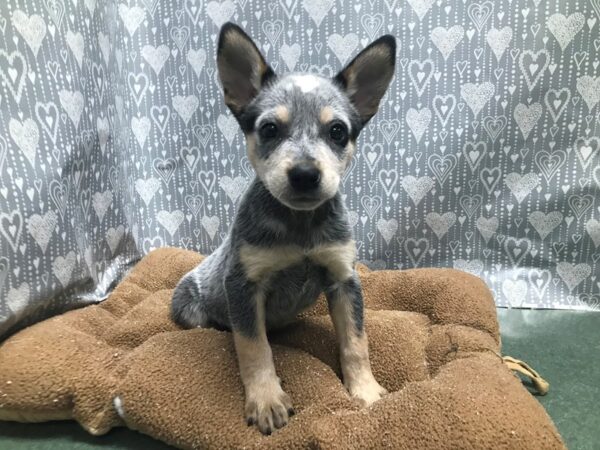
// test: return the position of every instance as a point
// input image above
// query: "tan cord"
(523, 368)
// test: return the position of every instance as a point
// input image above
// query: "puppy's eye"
(268, 130)
(338, 133)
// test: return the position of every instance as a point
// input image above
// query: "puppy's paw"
(367, 392)
(268, 407)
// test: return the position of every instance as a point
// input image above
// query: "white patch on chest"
(259, 262)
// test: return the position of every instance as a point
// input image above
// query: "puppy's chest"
(291, 291)
(292, 277)
(260, 263)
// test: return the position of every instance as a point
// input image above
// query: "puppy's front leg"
(346, 308)
(267, 405)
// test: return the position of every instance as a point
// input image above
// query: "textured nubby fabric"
(434, 344)
(484, 155)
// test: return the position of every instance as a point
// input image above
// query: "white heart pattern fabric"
(115, 139)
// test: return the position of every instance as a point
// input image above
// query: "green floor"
(564, 347)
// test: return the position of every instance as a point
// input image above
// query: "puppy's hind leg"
(188, 306)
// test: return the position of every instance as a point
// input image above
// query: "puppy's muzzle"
(304, 177)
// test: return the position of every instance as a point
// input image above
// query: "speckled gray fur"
(200, 299)
(218, 292)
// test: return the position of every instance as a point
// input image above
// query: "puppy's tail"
(187, 306)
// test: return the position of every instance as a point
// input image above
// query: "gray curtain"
(114, 139)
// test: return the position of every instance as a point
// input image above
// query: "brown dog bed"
(434, 344)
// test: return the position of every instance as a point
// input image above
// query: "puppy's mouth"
(302, 202)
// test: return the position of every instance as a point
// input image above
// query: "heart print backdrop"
(115, 140)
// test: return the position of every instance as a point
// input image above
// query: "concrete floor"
(563, 346)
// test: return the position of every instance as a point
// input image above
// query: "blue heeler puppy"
(291, 239)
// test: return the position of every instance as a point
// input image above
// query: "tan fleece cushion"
(434, 344)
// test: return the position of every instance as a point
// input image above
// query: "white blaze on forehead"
(305, 83)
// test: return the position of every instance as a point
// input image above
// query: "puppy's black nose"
(304, 177)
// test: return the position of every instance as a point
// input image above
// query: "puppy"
(291, 239)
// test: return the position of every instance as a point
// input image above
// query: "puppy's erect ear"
(366, 78)
(242, 68)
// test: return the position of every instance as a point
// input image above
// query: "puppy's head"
(301, 129)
